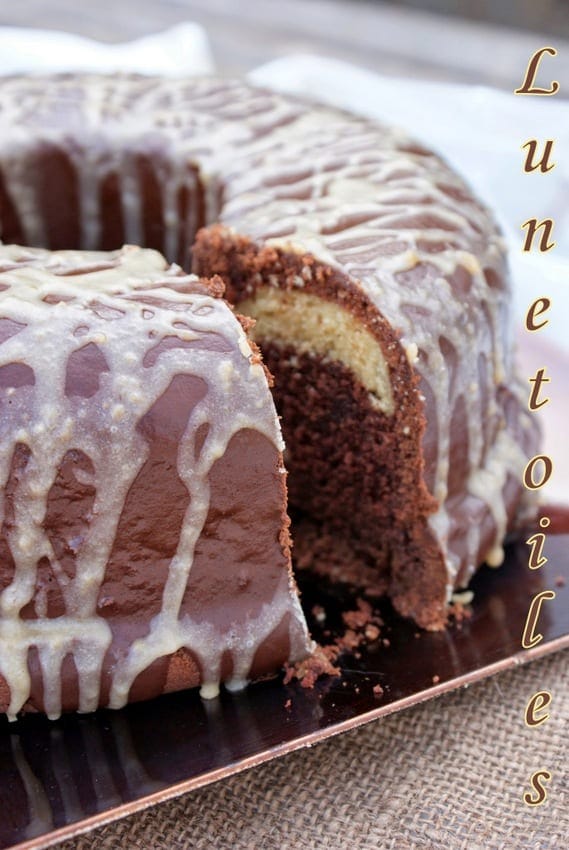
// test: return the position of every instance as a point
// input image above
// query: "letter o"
(529, 477)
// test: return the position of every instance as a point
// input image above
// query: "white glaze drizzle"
(105, 306)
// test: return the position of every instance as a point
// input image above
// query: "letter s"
(536, 780)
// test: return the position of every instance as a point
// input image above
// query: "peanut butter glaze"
(143, 487)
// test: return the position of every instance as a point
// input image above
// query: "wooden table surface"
(245, 33)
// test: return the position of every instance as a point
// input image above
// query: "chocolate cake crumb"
(372, 633)
(377, 691)
(349, 640)
(360, 618)
(459, 612)
(318, 664)
(363, 626)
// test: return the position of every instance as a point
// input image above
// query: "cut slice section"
(391, 445)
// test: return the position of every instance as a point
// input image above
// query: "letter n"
(533, 225)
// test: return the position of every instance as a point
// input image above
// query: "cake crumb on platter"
(371, 632)
(459, 612)
(360, 618)
(318, 664)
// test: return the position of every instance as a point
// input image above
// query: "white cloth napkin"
(183, 49)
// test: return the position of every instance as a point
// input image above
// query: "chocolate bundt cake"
(144, 545)
(381, 298)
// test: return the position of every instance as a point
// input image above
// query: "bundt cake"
(380, 292)
(144, 545)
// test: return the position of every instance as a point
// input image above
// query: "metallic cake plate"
(58, 779)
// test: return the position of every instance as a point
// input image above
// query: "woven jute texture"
(449, 773)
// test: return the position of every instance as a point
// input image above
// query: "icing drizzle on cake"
(57, 308)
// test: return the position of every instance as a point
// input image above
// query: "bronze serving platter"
(61, 778)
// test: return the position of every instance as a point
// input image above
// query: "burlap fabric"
(446, 774)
